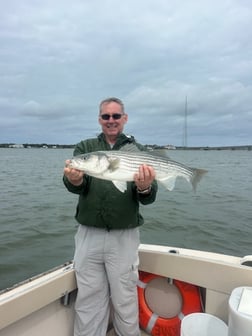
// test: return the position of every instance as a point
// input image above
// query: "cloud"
(58, 61)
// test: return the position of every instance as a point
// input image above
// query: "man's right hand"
(74, 176)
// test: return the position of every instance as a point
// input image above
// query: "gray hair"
(111, 100)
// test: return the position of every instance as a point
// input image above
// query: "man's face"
(112, 126)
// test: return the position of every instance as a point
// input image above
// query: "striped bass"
(120, 166)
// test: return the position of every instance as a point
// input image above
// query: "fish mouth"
(69, 164)
(72, 164)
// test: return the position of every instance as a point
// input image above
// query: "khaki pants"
(106, 264)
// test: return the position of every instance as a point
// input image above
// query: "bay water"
(37, 224)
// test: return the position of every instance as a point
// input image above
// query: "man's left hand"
(144, 178)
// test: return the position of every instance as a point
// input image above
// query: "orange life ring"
(168, 326)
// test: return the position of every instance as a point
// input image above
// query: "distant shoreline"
(248, 147)
(168, 147)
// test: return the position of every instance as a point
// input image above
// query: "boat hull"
(45, 305)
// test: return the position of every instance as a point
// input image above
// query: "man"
(107, 241)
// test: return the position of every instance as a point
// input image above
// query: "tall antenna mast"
(185, 125)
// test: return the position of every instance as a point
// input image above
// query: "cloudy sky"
(59, 58)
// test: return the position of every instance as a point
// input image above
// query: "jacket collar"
(122, 140)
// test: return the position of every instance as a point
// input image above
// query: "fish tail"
(197, 176)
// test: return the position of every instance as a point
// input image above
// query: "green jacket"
(101, 204)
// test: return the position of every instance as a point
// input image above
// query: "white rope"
(151, 322)
(141, 284)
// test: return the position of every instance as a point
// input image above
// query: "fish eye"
(85, 157)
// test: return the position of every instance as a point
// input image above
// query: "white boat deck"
(112, 333)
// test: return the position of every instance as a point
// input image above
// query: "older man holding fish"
(107, 240)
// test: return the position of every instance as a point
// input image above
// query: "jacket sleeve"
(75, 189)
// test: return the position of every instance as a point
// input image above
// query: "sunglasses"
(115, 116)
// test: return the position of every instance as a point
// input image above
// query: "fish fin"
(113, 164)
(120, 185)
(168, 183)
(159, 153)
(130, 147)
(197, 176)
(155, 152)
